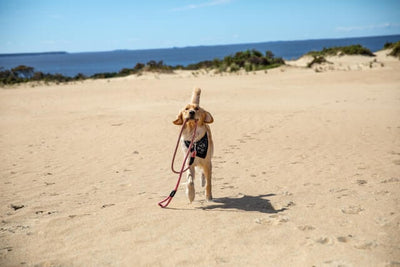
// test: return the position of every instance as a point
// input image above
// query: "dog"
(203, 143)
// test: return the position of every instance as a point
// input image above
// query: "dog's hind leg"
(190, 192)
(207, 173)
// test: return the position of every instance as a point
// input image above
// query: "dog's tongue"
(196, 96)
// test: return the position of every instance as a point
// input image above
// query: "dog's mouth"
(192, 115)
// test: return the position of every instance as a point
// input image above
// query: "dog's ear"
(179, 119)
(208, 118)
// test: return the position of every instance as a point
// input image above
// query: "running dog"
(203, 144)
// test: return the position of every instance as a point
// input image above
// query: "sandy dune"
(306, 171)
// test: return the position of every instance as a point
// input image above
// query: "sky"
(99, 25)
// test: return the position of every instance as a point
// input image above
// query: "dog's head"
(193, 111)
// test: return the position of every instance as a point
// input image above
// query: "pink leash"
(166, 201)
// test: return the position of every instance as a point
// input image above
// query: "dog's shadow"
(245, 203)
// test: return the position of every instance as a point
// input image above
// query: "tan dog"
(203, 143)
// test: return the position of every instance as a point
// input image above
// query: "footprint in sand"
(233, 146)
(107, 205)
(227, 151)
(393, 264)
(124, 228)
(361, 182)
(352, 210)
(272, 220)
(306, 228)
(17, 206)
(344, 239)
(381, 221)
(397, 161)
(336, 263)
(72, 216)
(14, 228)
(391, 180)
(366, 245)
(8, 249)
(394, 152)
(325, 240)
(227, 186)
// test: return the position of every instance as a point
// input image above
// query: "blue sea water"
(89, 63)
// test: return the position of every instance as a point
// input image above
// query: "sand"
(306, 170)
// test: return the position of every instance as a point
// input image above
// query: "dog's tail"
(196, 96)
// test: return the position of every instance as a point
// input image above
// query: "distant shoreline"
(33, 54)
(193, 46)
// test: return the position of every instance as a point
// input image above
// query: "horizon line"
(191, 46)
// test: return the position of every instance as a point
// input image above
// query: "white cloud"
(202, 5)
(368, 27)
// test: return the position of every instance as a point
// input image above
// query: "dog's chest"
(200, 146)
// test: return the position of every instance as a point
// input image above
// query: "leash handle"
(168, 199)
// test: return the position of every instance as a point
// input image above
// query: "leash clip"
(172, 194)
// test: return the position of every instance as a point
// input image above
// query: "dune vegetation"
(395, 47)
(249, 60)
(343, 50)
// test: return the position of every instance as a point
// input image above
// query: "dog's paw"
(190, 193)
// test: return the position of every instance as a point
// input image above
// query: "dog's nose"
(191, 113)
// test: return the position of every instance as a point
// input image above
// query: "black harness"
(200, 148)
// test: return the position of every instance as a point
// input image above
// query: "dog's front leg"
(190, 193)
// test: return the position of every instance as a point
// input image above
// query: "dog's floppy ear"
(179, 119)
(208, 118)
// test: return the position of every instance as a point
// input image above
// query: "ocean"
(89, 63)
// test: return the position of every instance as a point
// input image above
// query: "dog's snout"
(191, 113)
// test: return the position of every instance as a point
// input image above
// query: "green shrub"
(23, 71)
(126, 72)
(387, 45)
(248, 66)
(346, 50)
(222, 67)
(269, 54)
(233, 67)
(250, 60)
(317, 60)
(80, 77)
(395, 50)
(138, 67)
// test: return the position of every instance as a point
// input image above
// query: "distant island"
(33, 54)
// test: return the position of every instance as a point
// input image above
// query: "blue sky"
(97, 25)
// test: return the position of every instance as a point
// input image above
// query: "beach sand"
(306, 170)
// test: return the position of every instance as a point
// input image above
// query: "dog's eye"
(196, 108)
(186, 108)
